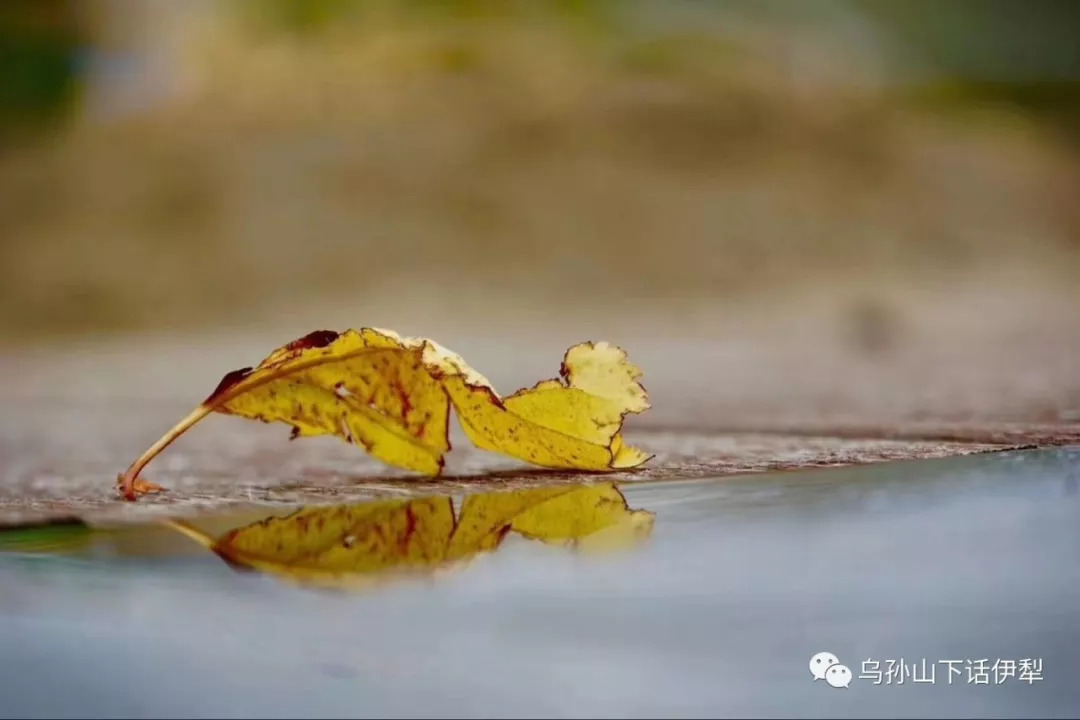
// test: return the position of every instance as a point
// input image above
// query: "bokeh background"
(168, 166)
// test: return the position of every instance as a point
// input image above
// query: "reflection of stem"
(192, 532)
(127, 480)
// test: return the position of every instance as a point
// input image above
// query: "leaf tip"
(605, 369)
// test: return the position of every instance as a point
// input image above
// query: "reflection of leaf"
(555, 515)
(578, 514)
(392, 395)
(56, 537)
(356, 545)
(486, 518)
(626, 532)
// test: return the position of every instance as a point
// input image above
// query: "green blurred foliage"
(988, 40)
(39, 40)
(997, 52)
(299, 16)
(305, 17)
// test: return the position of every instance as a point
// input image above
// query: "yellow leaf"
(361, 545)
(392, 395)
(571, 425)
(367, 387)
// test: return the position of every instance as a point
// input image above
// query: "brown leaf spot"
(230, 379)
(316, 339)
(403, 396)
(410, 529)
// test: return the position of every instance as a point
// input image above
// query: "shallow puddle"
(697, 598)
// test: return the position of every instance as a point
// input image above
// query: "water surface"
(716, 613)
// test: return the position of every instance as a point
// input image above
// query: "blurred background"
(843, 218)
(168, 166)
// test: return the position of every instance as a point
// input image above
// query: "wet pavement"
(716, 612)
(57, 470)
(75, 415)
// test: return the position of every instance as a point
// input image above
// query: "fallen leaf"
(358, 546)
(572, 423)
(392, 395)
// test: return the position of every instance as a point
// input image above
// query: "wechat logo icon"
(826, 666)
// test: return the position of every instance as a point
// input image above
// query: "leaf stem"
(190, 531)
(126, 481)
